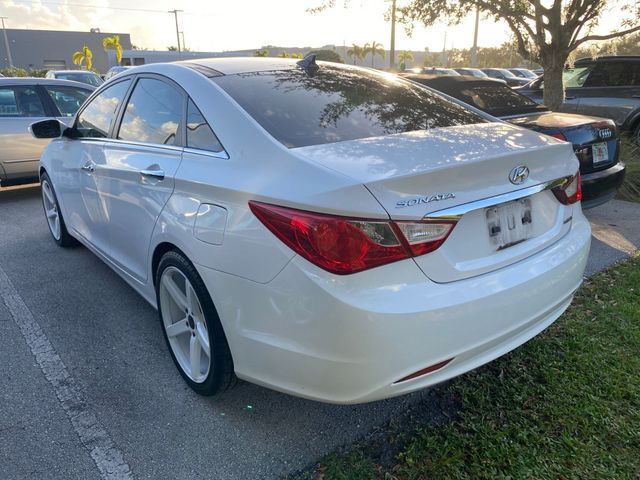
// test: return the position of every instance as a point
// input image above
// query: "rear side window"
(337, 104)
(96, 119)
(612, 74)
(20, 102)
(67, 99)
(199, 133)
(153, 113)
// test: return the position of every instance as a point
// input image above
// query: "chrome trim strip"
(207, 153)
(134, 144)
(455, 213)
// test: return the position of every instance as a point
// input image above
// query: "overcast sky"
(213, 25)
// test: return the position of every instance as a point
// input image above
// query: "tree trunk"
(553, 65)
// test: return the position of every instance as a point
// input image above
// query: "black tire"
(221, 373)
(65, 240)
(635, 135)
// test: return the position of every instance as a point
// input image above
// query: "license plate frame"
(509, 223)
(600, 153)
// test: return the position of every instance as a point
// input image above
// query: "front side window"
(96, 119)
(337, 104)
(153, 113)
(20, 102)
(199, 133)
(67, 99)
(611, 74)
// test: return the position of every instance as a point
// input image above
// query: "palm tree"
(403, 57)
(356, 52)
(83, 55)
(113, 42)
(374, 49)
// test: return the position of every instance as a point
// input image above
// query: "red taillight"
(570, 192)
(559, 136)
(345, 245)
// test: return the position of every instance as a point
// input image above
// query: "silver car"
(82, 76)
(22, 102)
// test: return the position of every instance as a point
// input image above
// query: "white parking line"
(93, 436)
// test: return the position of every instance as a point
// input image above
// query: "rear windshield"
(337, 104)
(81, 77)
(498, 99)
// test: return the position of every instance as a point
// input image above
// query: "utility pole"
(6, 42)
(392, 47)
(445, 60)
(474, 50)
(175, 14)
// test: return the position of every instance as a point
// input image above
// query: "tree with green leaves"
(113, 42)
(327, 56)
(356, 52)
(261, 53)
(374, 49)
(404, 57)
(545, 31)
(83, 56)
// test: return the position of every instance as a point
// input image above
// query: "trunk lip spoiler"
(455, 213)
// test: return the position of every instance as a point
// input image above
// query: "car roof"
(234, 65)
(4, 81)
(609, 58)
(72, 71)
(449, 82)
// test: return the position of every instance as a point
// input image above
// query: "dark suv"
(605, 87)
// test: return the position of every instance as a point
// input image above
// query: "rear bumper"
(351, 339)
(600, 187)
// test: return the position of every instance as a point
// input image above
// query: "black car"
(595, 140)
(506, 76)
(607, 86)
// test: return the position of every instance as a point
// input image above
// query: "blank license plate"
(600, 152)
(509, 223)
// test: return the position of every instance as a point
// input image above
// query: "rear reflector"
(424, 371)
(345, 245)
(570, 192)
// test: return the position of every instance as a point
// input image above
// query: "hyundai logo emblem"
(519, 174)
(605, 133)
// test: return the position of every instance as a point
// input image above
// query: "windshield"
(505, 72)
(338, 103)
(473, 72)
(89, 78)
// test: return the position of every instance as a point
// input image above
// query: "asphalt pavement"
(90, 391)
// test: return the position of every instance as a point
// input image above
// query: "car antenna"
(308, 62)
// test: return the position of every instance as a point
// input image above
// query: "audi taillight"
(345, 245)
(570, 192)
(559, 136)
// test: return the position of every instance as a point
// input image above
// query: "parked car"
(608, 87)
(113, 71)
(82, 76)
(523, 73)
(474, 72)
(436, 71)
(22, 102)
(506, 76)
(321, 229)
(595, 140)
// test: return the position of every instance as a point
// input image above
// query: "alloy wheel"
(51, 209)
(185, 325)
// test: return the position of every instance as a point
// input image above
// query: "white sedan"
(323, 230)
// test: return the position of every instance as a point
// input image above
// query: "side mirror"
(47, 129)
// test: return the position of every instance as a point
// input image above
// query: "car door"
(140, 164)
(80, 165)
(20, 106)
(611, 90)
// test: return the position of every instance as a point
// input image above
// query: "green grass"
(566, 405)
(630, 154)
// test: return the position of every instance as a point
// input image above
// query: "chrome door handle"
(88, 167)
(159, 174)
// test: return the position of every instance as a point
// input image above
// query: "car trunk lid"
(418, 174)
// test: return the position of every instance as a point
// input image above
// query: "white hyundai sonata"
(323, 230)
